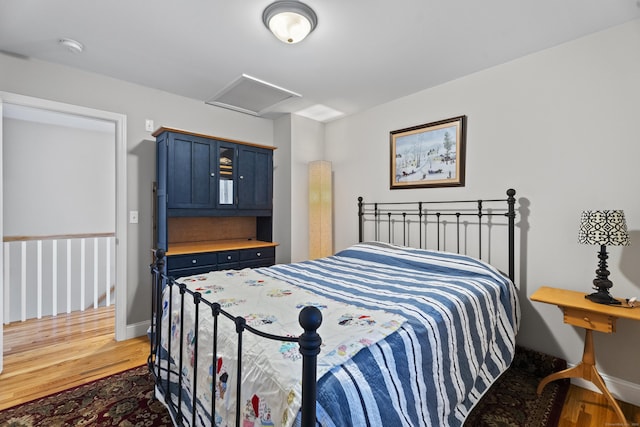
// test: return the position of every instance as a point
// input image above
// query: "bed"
(391, 334)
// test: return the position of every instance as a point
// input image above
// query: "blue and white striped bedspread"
(462, 318)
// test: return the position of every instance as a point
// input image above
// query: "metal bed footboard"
(309, 341)
(442, 225)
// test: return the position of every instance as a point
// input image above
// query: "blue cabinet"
(199, 263)
(205, 176)
(200, 176)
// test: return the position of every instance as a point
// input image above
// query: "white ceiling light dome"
(289, 21)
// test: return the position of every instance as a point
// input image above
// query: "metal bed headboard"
(406, 218)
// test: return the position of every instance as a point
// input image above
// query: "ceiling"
(363, 52)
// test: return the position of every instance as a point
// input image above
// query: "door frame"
(120, 121)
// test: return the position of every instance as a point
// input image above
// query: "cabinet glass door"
(226, 168)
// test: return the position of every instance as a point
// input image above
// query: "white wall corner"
(137, 329)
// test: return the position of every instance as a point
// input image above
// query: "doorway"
(118, 121)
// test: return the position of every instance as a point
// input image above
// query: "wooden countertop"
(574, 299)
(216, 245)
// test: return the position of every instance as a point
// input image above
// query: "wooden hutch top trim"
(184, 132)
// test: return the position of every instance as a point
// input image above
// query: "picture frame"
(429, 155)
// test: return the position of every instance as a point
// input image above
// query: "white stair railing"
(34, 267)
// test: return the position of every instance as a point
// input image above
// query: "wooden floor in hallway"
(44, 356)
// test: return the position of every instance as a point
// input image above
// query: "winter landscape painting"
(429, 155)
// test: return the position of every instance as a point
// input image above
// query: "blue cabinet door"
(255, 180)
(191, 172)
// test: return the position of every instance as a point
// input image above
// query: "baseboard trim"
(137, 329)
(622, 390)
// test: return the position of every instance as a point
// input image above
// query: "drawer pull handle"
(229, 257)
(258, 254)
(193, 261)
(586, 319)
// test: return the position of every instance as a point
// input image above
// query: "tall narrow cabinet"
(213, 202)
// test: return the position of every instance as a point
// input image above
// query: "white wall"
(282, 189)
(53, 82)
(42, 193)
(50, 171)
(299, 141)
(560, 127)
(307, 138)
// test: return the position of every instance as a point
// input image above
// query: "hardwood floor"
(584, 408)
(49, 355)
(52, 354)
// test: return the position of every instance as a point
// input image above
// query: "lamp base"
(602, 297)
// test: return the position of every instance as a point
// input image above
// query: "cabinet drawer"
(228, 256)
(589, 320)
(192, 260)
(228, 266)
(184, 272)
(255, 263)
(257, 253)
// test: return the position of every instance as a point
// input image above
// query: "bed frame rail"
(309, 341)
(399, 222)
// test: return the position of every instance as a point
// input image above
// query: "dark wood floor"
(49, 355)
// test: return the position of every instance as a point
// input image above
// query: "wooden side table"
(591, 316)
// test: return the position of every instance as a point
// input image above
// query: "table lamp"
(604, 228)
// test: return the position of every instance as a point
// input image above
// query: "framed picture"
(429, 155)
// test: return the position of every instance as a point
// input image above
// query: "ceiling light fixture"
(289, 21)
(71, 45)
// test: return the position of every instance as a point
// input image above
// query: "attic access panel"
(252, 96)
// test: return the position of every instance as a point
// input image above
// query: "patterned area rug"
(126, 400)
(512, 400)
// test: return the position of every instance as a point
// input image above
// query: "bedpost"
(360, 220)
(310, 319)
(511, 202)
(157, 268)
(420, 223)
